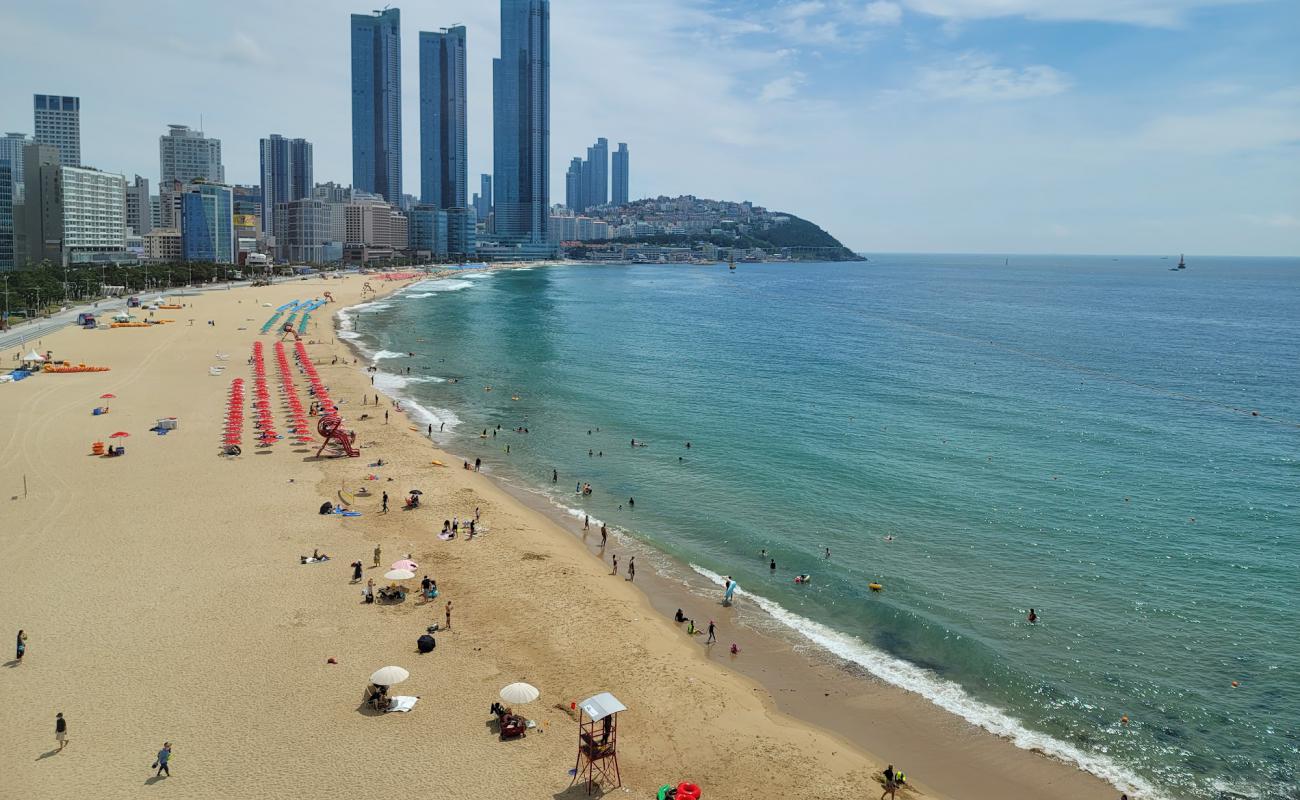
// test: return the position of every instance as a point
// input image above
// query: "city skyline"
(1137, 126)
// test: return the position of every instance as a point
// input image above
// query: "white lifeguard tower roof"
(601, 706)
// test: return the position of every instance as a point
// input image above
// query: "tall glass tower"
(620, 176)
(598, 179)
(286, 175)
(377, 103)
(521, 106)
(444, 167)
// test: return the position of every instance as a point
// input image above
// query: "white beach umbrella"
(399, 575)
(33, 356)
(389, 676)
(519, 693)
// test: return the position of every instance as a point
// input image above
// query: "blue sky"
(1070, 126)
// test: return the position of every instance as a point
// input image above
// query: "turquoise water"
(1071, 434)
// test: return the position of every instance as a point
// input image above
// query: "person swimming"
(1033, 616)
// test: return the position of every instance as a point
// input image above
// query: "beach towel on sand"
(401, 704)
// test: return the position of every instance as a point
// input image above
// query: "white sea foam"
(351, 336)
(943, 693)
(431, 288)
(436, 417)
(389, 382)
(383, 354)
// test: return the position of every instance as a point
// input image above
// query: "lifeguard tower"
(598, 741)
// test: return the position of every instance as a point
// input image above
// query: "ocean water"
(1111, 443)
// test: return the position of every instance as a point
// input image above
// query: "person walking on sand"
(448, 615)
(356, 572)
(385, 509)
(891, 785)
(614, 571)
(60, 730)
(379, 554)
(162, 762)
(604, 535)
(22, 646)
(385, 416)
(631, 568)
(713, 636)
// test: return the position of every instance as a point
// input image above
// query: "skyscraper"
(6, 214)
(185, 155)
(619, 194)
(11, 150)
(286, 175)
(377, 103)
(598, 179)
(573, 189)
(521, 103)
(444, 156)
(138, 217)
(58, 123)
(484, 207)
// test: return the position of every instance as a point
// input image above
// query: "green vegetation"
(34, 291)
(797, 238)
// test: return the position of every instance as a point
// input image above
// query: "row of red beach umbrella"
(235, 414)
(298, 424)
(262, 418)
(318, 389)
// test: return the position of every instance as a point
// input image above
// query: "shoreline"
(164, 599)
(799, 676)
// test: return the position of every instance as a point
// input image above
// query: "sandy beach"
(163, 599)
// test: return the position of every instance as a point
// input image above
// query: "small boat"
(731, 265)
(1182, 262)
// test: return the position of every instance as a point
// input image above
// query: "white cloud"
(1281, 219)
(880, 12)
(245, 50)
(1152, 13)
(782, 88)
(1267, 122)
(978, 77)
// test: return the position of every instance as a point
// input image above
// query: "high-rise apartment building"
(377, 103)
(11, 150)
(139, 218)
(286, 174)
(70, 215)
(483, 200)
(58, 123)
(184, 155)
(619, 191)
(6, 215)
(444, 154)
(207, 223)
(521, 101)
(574, 198)
(598, 179)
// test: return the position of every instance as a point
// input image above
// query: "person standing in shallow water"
(631, 568)
(604, 535)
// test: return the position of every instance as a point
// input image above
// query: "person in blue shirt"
(164, 756)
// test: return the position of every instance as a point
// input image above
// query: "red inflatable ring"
(688, 791)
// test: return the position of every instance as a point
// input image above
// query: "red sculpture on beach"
(331, 428)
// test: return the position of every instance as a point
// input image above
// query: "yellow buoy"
(875, 587)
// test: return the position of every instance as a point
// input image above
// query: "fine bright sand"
(164, 600)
